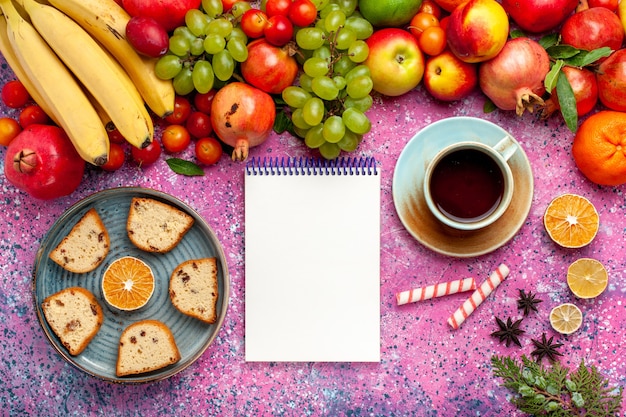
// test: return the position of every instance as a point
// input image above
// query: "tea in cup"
(469, 185)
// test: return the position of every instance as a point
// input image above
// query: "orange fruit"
(571, 221)
(587, 278)
(389, 13)
(566, 318)
(599, 148)
(128, 283)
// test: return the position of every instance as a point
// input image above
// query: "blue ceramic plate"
(409, 200)
(192, 336)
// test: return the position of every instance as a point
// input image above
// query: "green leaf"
(562, 51)
(183, 167)
(550, 81)
(489, 106)
(549, 40)
(282, 122)
(516, 33)
(567, 102)
(585, 58)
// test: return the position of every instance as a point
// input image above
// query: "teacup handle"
(506, 147)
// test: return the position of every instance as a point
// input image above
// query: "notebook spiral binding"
(311, 166)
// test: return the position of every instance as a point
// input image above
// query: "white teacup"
(469, 185)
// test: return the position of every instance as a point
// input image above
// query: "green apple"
(395, 61)
(447, 78)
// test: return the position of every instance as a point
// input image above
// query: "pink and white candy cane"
(478, 296)
(436, 290)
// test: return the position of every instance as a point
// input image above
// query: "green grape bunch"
(329, 103)
(206, 50)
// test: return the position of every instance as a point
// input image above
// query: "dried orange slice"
(587, 278)
(128, 283)
(566, 318)
(571, 220)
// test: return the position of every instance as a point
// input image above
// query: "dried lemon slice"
(566, 318)
(587, 278)
(128, 283)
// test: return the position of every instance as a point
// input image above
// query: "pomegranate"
(593, 28)
(242, 117)
(513, 80)
(612, 81)
(268, 67)
(42, 161)
(538, 16)
(585, 87)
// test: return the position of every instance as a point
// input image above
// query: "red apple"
(612, 81)
(477, 30)
(447, 78)
(168, 13)
(593, 28)
(395, 61)
(538, 16)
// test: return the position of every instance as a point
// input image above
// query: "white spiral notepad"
(312, 260)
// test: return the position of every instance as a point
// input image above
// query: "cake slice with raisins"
(194, 289)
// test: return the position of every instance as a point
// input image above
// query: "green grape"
(179, 45)
(321, 24)
(343, 65)
(334, 20)
(358, 71)
(168, 66)
(360, 26)
(238, 49)
(314, 137)
(214, 43)
(345, 37)
(238, 33)
(347, 6)
(340, 82)
(183, 83)
(223, 65)
(239, 8)
(358, 51)
(356, 121)
(334, 129)
(331, 7)
(320, 4)
(221, 26)
(315, 67)
(184, 32)
(213, 8)
(313, 111)
(196, 21)
(324, 87)
(298, 120)
(349, 142)
(361, 104)
(310, 38)
(329, 150)
(359, 87)
(301, 133)
(323, 52)
(197, 47)
(202, 76)
(295, 96)
(305, 82)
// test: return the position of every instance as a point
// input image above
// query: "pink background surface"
(427, 369)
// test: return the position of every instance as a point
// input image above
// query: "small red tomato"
(432, 41)
(117, 156)
(420, 22)
(277, 7)
(279, 30)
(202, 101)
(199, 124)
(175, 138)
(302, 13)
(431, 6)
(228, 4)
(14, 94)
(33, 114)
(253, 23)
(9, 129)
(182, 110)
(148, 155)
(114, 135)
(208, 150)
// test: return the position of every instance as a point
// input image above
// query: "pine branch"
(555, 392)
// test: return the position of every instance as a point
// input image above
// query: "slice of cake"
(86, 245)
(146, 346)
(154, 226)
(75, 316)
(193, 288)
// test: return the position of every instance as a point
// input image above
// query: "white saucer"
(409, 200)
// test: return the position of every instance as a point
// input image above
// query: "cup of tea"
(469, 185)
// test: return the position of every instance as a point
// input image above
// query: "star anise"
(527, 302)
(509, 331)
(545, 348)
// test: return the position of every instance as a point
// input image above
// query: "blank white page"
(312, 263)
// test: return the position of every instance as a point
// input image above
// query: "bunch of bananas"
(73, 58)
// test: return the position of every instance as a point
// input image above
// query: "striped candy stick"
(436, 290)
(478, 296)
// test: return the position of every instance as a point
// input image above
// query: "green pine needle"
(555, 391)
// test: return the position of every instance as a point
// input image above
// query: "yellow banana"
(106, 21)
(57, 87)
(621, 12)
(101, 75)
